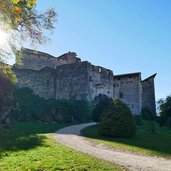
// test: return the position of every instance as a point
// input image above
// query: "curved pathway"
(70, 136)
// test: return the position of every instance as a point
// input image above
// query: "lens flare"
(3, 38)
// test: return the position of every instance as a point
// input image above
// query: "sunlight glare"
(3, 37)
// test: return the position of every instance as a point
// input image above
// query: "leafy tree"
(117, 120)
(7, 79)
(21, 21)
(165, 111)
(151, 117)
(147, 114)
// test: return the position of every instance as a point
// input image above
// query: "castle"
(67, 77)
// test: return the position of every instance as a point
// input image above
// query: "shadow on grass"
(158, 143)
(25, 136)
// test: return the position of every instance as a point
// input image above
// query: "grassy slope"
(157, 144)
(28, 146)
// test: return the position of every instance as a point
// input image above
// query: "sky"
(122, 35)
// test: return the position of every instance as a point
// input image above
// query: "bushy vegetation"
(117, 120)
(165, 112)
(99, 108)
(138, 119)
(147, 114)
(7, 79)
(28, 106)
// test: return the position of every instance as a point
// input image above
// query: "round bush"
(117, 121)
(99, 109)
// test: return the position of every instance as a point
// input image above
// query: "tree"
(165, 111)
(151, 117)
(117, 120)
(21, 21)
(7, 79)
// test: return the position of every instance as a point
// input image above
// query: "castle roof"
(152, 76)
(31, 51)
(128, 74)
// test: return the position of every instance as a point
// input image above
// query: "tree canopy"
(165, 111)
(21, 21)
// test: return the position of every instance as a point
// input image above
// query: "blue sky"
(122, 35)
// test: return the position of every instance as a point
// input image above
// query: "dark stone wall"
(148, 94)
(72, 81)
(100, 81)
(41, 82)
(68, 81)
(79, 80)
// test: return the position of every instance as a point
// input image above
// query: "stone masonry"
(67, 77)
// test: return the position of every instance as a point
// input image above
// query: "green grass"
(158, 144)
(32, 147)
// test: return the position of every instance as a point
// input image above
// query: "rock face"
(67, 77)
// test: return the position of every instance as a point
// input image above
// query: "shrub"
(117, 120)
(160, 120)
(165, 110)
(147, 114)
(28, 106)
(99, 109)
(169, 122)
(138, 119)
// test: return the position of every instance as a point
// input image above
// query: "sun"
(3, 37)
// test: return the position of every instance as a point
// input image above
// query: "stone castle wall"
(100, 81)
(71, 81)
(41, 82)
(127, 88)
(66, 77)
(36, 60)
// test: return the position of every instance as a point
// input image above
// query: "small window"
(130, 76)
(107, 72)
(47, 83)
(114, 85)
(90, 78)
(100, 69)
(120, 95)
(119, 78)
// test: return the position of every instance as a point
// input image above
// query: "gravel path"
(70, 136)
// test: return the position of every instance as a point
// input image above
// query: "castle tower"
(148, 94)
(127, 88)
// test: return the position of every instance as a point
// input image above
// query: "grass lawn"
(158, 144)
(31, 147)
